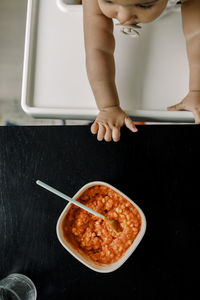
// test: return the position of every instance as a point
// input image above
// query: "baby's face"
(132, 11)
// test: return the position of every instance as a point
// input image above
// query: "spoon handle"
(56, 192)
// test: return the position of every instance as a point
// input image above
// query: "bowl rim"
(87, 262)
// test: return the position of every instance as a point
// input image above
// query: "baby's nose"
(125, 15)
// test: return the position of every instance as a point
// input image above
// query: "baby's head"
(132, 11)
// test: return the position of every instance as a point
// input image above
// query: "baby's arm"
(191, 28)
(99, 47)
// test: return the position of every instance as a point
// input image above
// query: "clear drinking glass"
(17, 287)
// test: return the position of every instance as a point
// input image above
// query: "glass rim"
(29, 282)
(11, 291)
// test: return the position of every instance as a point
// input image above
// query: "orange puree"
(94, 237)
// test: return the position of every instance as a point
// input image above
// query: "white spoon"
(114, 224)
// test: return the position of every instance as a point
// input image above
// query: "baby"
(100, 46)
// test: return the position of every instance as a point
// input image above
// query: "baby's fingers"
(130, 124)
(108, 134)
(94, 127)
(101, 132)
(196, 114)
(178, 106)
(116, 134)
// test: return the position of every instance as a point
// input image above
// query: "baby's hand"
(108, 123)
(190, 102)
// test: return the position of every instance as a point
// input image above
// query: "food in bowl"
(94, 238)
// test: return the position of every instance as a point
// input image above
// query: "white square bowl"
(104, 268)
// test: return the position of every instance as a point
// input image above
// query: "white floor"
(12, 33)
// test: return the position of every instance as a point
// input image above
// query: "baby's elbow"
(105, 45)
(193, 46)
(108, 44)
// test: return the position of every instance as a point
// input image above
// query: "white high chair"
(151, 71)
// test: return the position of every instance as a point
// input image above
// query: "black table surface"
(158, 167)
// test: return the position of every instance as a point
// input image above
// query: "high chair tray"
(151, 71)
